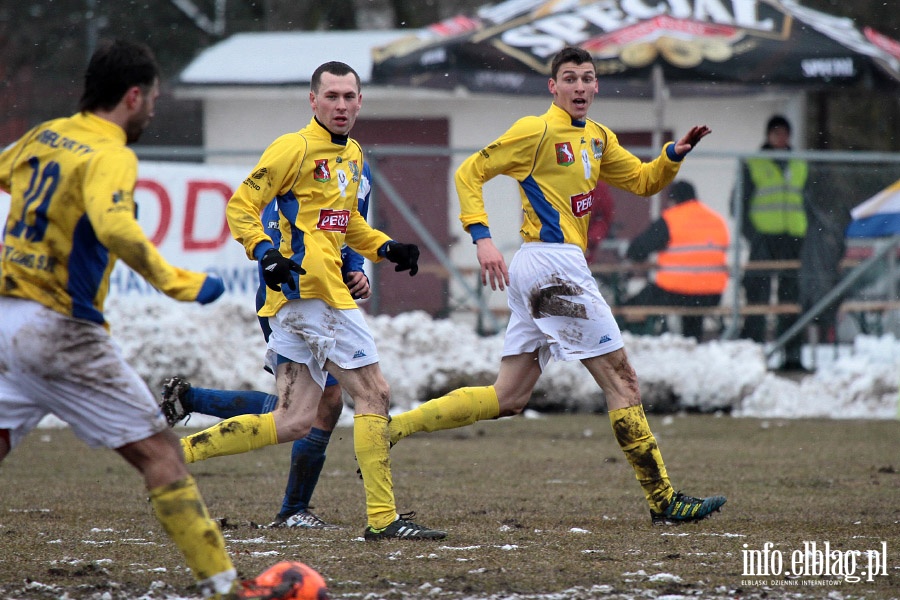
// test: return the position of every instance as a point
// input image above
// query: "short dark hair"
(778, 121)
(681, 191)
(573, 54)
(335, 68)
(114, 68)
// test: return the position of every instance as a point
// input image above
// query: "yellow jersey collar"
(102, 125)
(559, 115)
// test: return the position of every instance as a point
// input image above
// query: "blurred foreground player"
(72, 214)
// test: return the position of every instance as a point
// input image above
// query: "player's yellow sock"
(637, 442)
(370, 441)
(184, 516)
(232, 436)
(458, 408)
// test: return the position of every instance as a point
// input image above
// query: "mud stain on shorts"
(71, 350)
(548, 300)
(316, 336)
(571, 334)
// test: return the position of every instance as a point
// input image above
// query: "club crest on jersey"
(333, 220)
(564, 154)
(597, 147)
(321, 173)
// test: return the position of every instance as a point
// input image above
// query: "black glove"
(405, 256)
(276, 270)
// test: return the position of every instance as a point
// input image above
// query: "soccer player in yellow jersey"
(72, 214)
(314, 175)
(556, 308)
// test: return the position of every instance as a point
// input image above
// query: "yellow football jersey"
(314, 176)
(557, 162)
(72, 213)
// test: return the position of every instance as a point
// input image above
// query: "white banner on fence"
(181, 208)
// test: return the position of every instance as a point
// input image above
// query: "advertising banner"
(507, 47)
(181, 208)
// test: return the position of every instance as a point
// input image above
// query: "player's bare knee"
(376, 400)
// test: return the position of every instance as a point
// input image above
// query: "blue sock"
(229, 403)
(307, 460)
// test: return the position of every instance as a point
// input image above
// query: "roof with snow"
(288, 57)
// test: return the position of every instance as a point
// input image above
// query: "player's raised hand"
(691, 139)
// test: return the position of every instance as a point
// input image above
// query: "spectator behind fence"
(773, 219)
(691, 240)
(602, 212)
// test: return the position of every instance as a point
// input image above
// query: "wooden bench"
(868, 314)
(636, 314)
(639, 313)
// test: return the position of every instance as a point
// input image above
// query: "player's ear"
(131, 96)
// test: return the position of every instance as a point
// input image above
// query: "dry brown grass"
(534, 507)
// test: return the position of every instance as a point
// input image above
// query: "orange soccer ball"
(287, 580)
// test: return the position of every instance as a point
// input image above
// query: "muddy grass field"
(541, 509)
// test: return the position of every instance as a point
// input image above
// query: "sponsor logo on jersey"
(565, 156)
(354, 170)
(333, 220)
(597, 147)
(604, 339)
(122, 201)
(321, 173)
(484, 151)
(260, 173)
(582, 203)
(359, 354)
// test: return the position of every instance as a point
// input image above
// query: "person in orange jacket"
(691, 242)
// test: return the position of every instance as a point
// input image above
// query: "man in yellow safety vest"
(774, 222)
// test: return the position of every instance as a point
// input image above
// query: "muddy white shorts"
(52, 363)
(556, 307)
(309, 332)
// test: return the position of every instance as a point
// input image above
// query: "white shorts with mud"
(556, 306)
(53, 363)
(309, 332)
